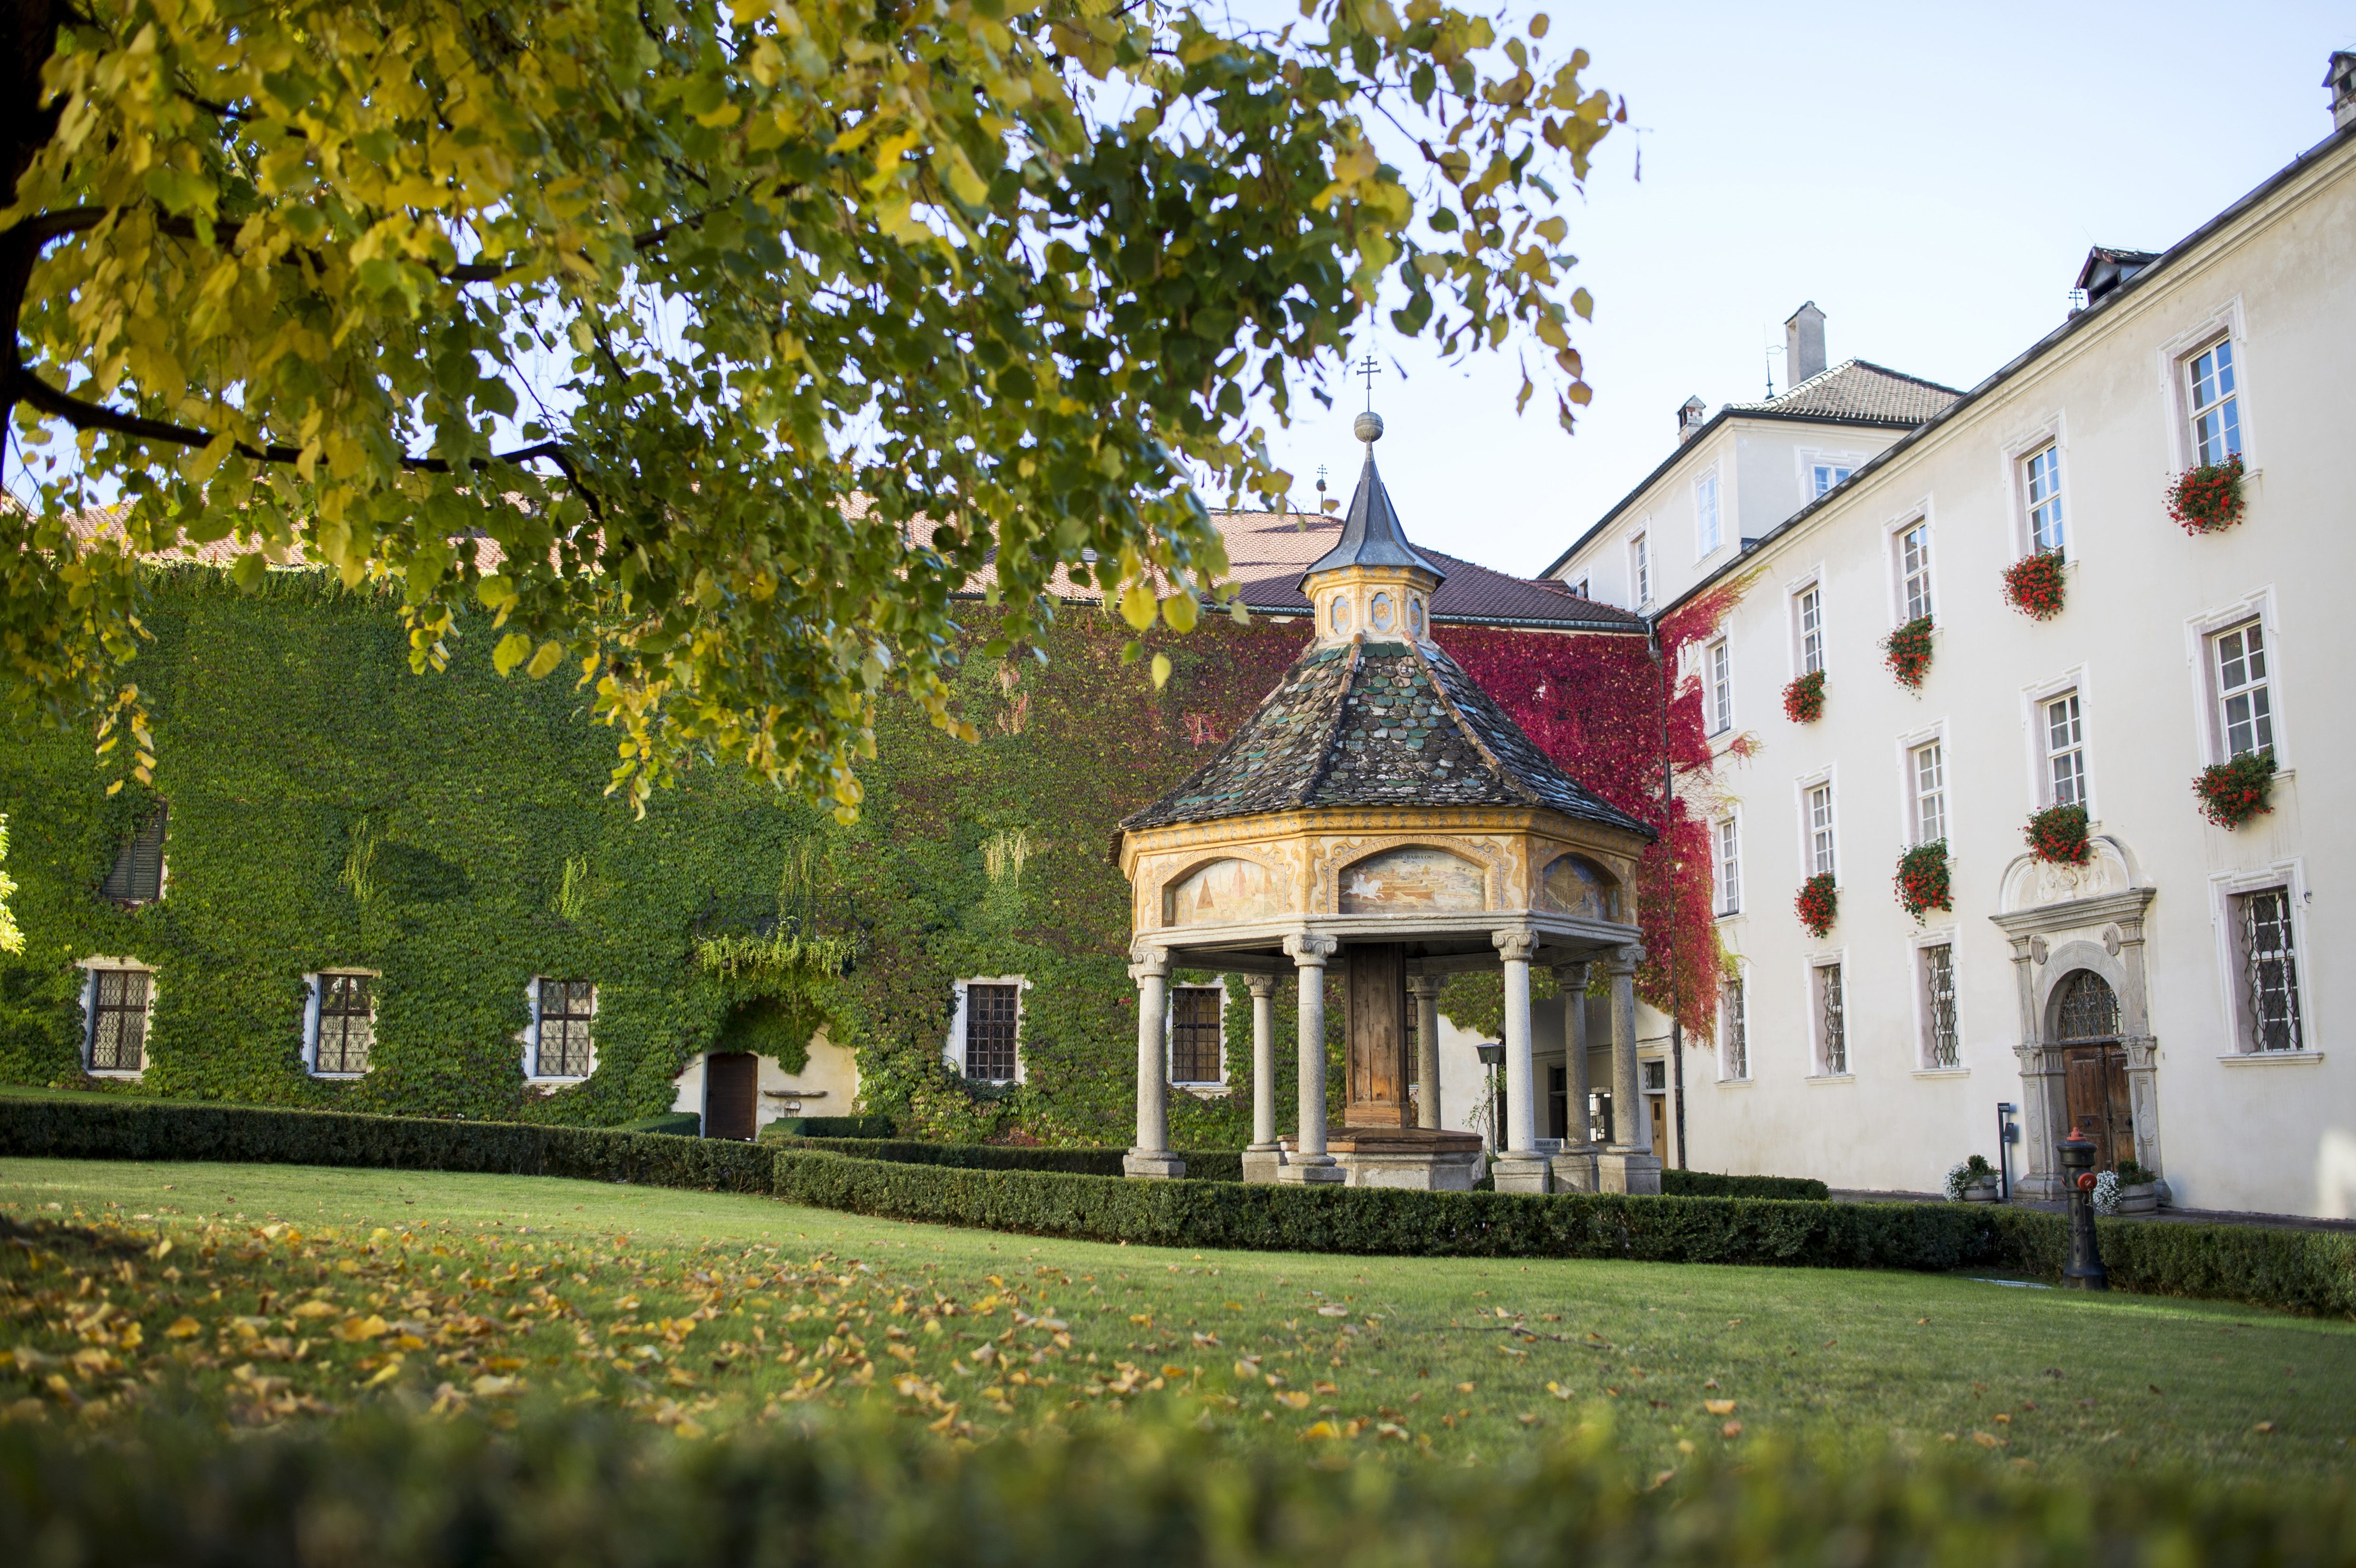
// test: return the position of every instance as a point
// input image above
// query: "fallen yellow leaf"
(314, 1310)
(1295, 1400)
(184, 1328)
(352, 1330)
(1718, 1406)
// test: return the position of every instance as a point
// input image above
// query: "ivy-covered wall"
(329, 809)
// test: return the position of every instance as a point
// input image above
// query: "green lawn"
(292, 1290)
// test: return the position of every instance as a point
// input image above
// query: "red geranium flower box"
(2033, 584)
(2205, 500)
(1803, 699)
(2058, 834)
(2233, 792)
(1819, 902)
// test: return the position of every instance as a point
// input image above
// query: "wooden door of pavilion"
(2095, 1067)
(1375, 1019)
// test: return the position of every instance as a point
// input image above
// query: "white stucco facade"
(2162, 913)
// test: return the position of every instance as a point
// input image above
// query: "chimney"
(2340, 77)
(1803, 345)
(1692, 414)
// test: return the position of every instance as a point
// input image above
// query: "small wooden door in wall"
(1660, 1105)
(730, 1093)
(2094, 1067)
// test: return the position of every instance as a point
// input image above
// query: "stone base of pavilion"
(1629, 1171)
(1424, 1160)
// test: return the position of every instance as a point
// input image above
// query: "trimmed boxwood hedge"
(112, 1127)
(587, 1491)
(678, 1124)
(870, 1127)
(2297, 1270)
(1706, 1184)
(1202, 1164)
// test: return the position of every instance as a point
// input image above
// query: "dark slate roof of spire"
(1366, 723)
(1371, 534)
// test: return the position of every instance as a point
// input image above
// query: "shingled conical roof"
(1375, 723)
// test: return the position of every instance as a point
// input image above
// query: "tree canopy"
(712, 348)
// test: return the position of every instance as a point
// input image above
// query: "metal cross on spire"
(1369, 370)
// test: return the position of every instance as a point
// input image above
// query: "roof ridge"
(1302, 796)
(1472, 732)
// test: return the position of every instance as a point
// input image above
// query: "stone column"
(1151, 1154)
(1309, 1162)
(1423, 991)
(1262, 1157)
(1628, 1163)
(1519, 1167)
(1574, 1168)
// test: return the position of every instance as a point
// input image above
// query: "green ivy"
(330, 809)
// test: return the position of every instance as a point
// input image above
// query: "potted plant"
(2206, 500)
(1921, 880)
(2033, 584)
(2138, 1188)
(1803, 699)
(2234, 792)
(2058, 834)
(1907, 652)
(1819, 902)
(1971, 1180)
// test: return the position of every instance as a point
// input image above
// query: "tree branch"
(83, 414)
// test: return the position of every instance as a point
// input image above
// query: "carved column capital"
(1149, 963)
(1310, 950)
(1515, 946)
(1261, 985)
(1624, 960)
(1423, 985)
(1572, 977)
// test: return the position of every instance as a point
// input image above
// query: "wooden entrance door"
(1376, 1003)
(2094, 1067)
(1660, 1105)
(730, 1093)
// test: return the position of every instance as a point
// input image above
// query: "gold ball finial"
(1368, 427)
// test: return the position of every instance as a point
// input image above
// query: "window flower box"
(1818, 902)
(2058, 836)
(2207, 499)
(2232, 793)
(2035, 584)
(1921, 880)
(1907, 652)
(1803, 699)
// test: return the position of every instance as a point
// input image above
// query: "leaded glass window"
(991, 1015)
(1195, 1034)
(1939, 1003)
(566, 1008)
(2270, 970)
(347, 1024)
(118, 1019)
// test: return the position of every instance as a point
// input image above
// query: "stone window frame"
(2033, 699)
(1198, 1086)
(1708, 486)
(954, 1052)
(1722, 906)
(2201, 634)
(1813, 578)
(2052, 430)
(1820, 1068)
(1909, 816)
(1918, 957)
(1733, 1017)
(1894, 549)
(89, 998)
(1807, 460)
(311, 1020)
(2226, 889)
(533, 1077)
(1718, 684)
(1825, 778)
(2224, 322)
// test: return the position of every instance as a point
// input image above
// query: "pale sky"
(1931, 177)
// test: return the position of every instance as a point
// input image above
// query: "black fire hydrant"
(2085, 1271)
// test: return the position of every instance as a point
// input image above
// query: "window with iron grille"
(2089, 1008)
(138, 876)
(1195, 1034)
(348, 1024)
(565, 1009)
(2269, 970)
(1938, 1004)
(1736, 1057)
(990, 1021)
(1832, 1020)
(118, 1019)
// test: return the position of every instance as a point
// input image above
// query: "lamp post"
(2085, 1271)
(1493, 1056)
